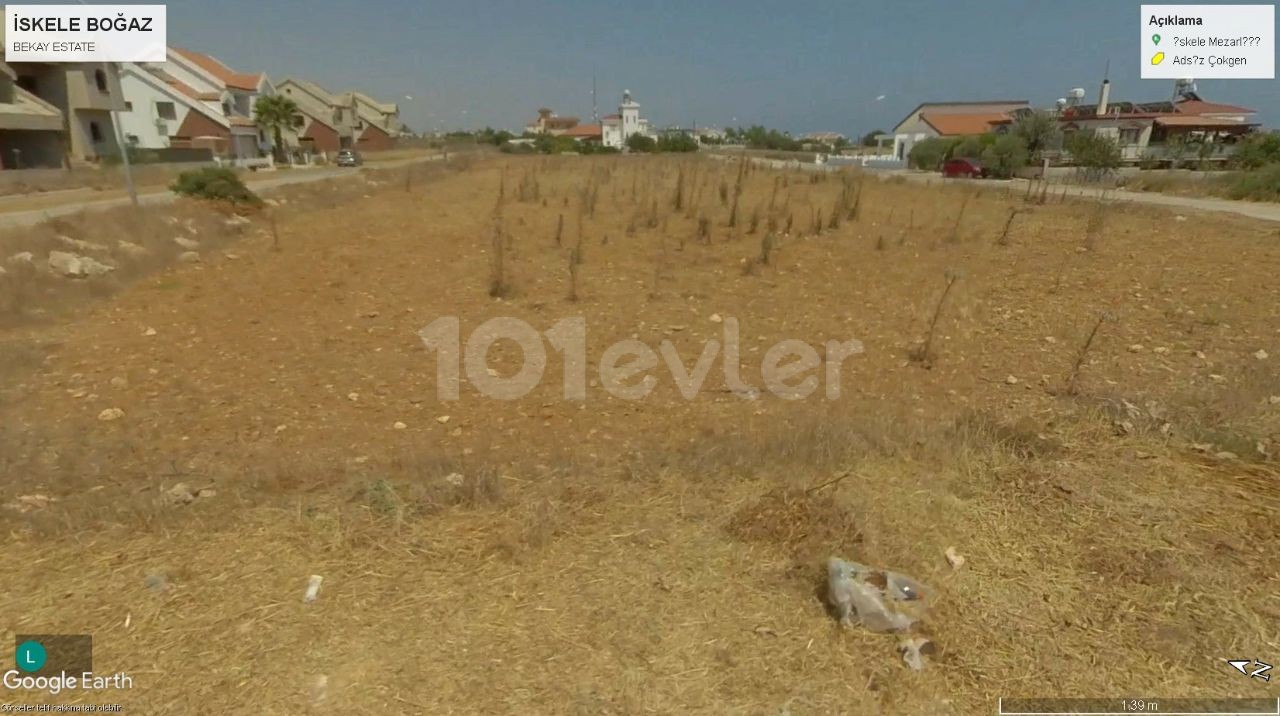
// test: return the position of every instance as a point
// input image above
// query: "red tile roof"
(225, 75)
(585, 131)
(960, 125)
(1199, 106)
(177, 84)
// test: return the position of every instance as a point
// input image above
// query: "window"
(1129, 136)
(165, 110)
(95, 132)
(128, 106)
(299, 120)
(100, 78)
(132, 139)
(226, 109)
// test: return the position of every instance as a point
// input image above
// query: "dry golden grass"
(663, 555)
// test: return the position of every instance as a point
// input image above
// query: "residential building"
(550, 123)
(165, 113)
(829, 138)
(327, 122)
(85, 93)
(226, 90)
(950, 119)
(377, 124)
(31, 129)
(1186, 128)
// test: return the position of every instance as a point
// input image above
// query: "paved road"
(164, 196)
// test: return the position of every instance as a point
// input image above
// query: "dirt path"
(30, 209)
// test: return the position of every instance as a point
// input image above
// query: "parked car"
(963, 168)
(349, 158)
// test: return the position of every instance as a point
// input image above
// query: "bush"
(1257, 150)
(215, 183)
(930, 153)
(971, 147)
(677, 143)
(1258, 185)
(1005, 156)
(1096, 154)
(640, 143)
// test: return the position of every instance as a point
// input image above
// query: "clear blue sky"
(817, 66)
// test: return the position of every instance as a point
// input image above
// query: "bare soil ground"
(658, 555)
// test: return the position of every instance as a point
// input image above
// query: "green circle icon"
(30, 656)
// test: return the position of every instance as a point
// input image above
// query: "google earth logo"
(30, 656)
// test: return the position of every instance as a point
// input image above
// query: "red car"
(963, 168)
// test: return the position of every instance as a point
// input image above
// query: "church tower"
(630, 111)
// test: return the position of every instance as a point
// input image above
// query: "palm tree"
(275, 113)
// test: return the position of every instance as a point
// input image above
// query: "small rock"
(1160, 350)
(1050, 339)
(455, 433)
(353, 397)
(1200, 355)
(149, 332)
(1201, 447)
(953, 558)
(110, 414)
(455, 478)
(399, 425)
(188, 244)
(1137, 348)
(206, 492)
(715, 318)
(189, 257)
(442, 419)
(119, 382)
(1260, 355)
(22, 257)
(1274, 400)
(1217, 378)
(79, 245)
(180, 494)
(1226, 455)
(1011, 379)
(73, 266)
(1179, 217)
(313, 588)
(131, 249)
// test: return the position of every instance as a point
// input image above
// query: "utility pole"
(595, 113)
(120, 141)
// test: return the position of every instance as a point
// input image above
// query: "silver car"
(349, 158)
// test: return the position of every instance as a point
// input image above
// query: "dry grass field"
(1093, 427)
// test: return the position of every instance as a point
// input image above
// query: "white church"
(617, 128)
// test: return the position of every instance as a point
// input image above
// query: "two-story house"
(31, 129)
(86, 94)
(326, 122)
(377, 123)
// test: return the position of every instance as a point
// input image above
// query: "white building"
(616, 129)
(163, 112)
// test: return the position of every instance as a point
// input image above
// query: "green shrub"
(1006, 155)
(1261, 184)
(215, 183)
(677, 143)
(1256, 150)
(930, 153)
(1096, 154)
(641, 144)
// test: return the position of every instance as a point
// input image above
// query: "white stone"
(110, 414)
